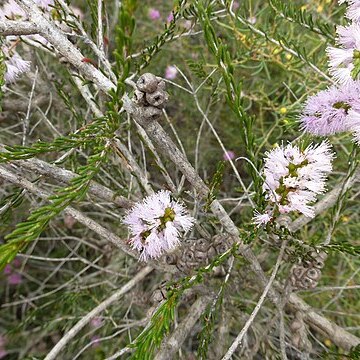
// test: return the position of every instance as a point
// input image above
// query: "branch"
(91, 224)
(65, 176)
(10, 27)
(338, 335)
(98, 52)
(257, 308)
(60, 42)
(95, 312)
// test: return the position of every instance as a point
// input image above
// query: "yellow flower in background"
(286, 121)
(283, 110)
(328, 342)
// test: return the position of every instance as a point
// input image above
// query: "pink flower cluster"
(154, 14)
(353, 10)
(333, 110)
(156, 224)
(343, 58)
(337, 109)
(229, 155)
(15, 65)
(293, 179)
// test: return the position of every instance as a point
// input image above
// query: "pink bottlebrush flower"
(12, 73)
(339, 58)
(326, 113)
(22, 65)
(96, 322)
(353, 10)
(154, 14)
(14, 279)
(261, 219)
(354, 124)
(293, 177)
(229, 155)
(170, 72)
(11, 10)
(170, 17)
(343, 75)
(340, 63)
(156, 224)
(15, 66)
(349, 36)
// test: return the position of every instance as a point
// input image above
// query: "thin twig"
(95, 312)
(257, 308)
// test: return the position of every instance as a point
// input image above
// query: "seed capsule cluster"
(197, 253)
(150, 92)
(299, 333)
(307, 274)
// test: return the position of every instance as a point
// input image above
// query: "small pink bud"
(14, 279)
(7, 269)
(170, 72)
(96, 322)
(229, 155)
(170, 17)
(154, 14)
